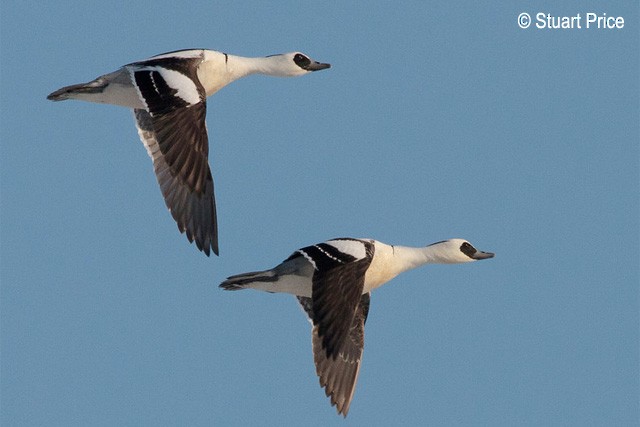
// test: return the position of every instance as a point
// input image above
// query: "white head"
(295, 64)
(455, 251)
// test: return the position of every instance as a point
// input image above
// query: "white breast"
(383, 267)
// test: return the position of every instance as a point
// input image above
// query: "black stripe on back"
(186, 66)
(326, 257)
(344, 258)
(158, 95)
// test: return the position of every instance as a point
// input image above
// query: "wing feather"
(177, 144)
(339, 376)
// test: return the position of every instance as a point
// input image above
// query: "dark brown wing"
(339, 375)
(337, 284)
(177, 142)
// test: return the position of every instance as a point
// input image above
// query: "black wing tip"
(342, 405)
(205, 244)
(208, 248)
(341, 408)
(211, 245)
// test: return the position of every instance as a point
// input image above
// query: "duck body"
(210, 69)
(382, 262)
(168, 94)
(333, 282)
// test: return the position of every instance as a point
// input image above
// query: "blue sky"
(434, 122)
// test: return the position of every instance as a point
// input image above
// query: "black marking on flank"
(226, 58)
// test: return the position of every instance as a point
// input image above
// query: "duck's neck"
(389, 261)
(267, 65)
(219, 69)
(409, 258)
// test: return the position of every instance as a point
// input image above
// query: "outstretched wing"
(339, 375)
(174, 132)
(338, 281)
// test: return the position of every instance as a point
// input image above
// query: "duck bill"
(317, 66)
(483, 255)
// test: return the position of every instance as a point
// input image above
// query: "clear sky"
(435, 121)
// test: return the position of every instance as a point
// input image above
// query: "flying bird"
(333, 282)
(168, 95)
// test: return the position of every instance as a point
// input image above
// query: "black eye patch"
(301, 61)
(467, 249)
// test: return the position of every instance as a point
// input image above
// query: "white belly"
(289, 284)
